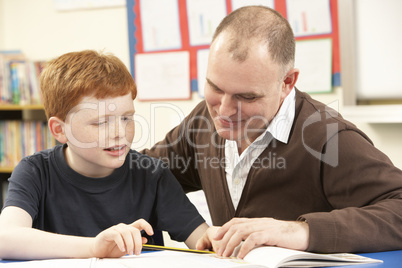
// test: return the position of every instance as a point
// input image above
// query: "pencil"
(155, 247)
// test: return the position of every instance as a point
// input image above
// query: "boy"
(91, 196)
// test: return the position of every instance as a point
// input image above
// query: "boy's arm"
(18, 240)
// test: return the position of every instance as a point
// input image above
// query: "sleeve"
(177, 150)
(365, 190)
(24, 188)
(175, 213)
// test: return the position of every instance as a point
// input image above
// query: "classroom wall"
(43, 33)
(374, 18)
(1, 24)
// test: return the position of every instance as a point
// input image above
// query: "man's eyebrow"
(212, 84)
(250, 94)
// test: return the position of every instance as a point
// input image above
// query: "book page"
(173, 259)
(270, 256)
(278, 257)
(60, 263)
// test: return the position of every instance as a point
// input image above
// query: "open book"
(278, 257)
(270, 257)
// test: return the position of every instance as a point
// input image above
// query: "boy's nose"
(116, 129)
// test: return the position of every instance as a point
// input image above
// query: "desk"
(390, 259)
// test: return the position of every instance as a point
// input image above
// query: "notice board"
(169, 42)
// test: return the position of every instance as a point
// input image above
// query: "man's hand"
(206, 242)
(121, 239)
(255, 232)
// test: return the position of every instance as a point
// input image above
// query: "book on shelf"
(22, 138)
(270, 257)
(5, 74)
(19, 82)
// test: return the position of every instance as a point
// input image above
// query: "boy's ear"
(56, 126)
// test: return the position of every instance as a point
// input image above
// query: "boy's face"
(100, 133)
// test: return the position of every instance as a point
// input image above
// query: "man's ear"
(289, 82)
(56, 126)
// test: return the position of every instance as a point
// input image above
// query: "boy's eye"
(127, 118)
(100, 123)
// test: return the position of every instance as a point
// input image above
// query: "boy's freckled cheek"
(132, 131)
(85, 134)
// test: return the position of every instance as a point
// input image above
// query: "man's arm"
(18, 240)
(365, 190)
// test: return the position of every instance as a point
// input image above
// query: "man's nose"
(228, 106)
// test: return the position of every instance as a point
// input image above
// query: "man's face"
(100, 133)
(242, 97)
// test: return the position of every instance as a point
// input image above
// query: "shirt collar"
(281, 124)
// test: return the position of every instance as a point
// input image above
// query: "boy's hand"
(121, 239)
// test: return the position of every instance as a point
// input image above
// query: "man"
(277, 167)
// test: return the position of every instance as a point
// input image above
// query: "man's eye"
(248, 98)
(100, 123)
(215, 89)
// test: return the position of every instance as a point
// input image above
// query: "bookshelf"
(30, 119)
(23, 124)
(18, 107)
(6, 169)
(29, 133)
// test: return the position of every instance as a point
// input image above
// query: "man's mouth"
(227, 122)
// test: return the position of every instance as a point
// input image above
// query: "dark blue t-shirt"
(63, 201)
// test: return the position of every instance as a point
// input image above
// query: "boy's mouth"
(115, 148)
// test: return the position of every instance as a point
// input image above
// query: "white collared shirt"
(238, 166)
